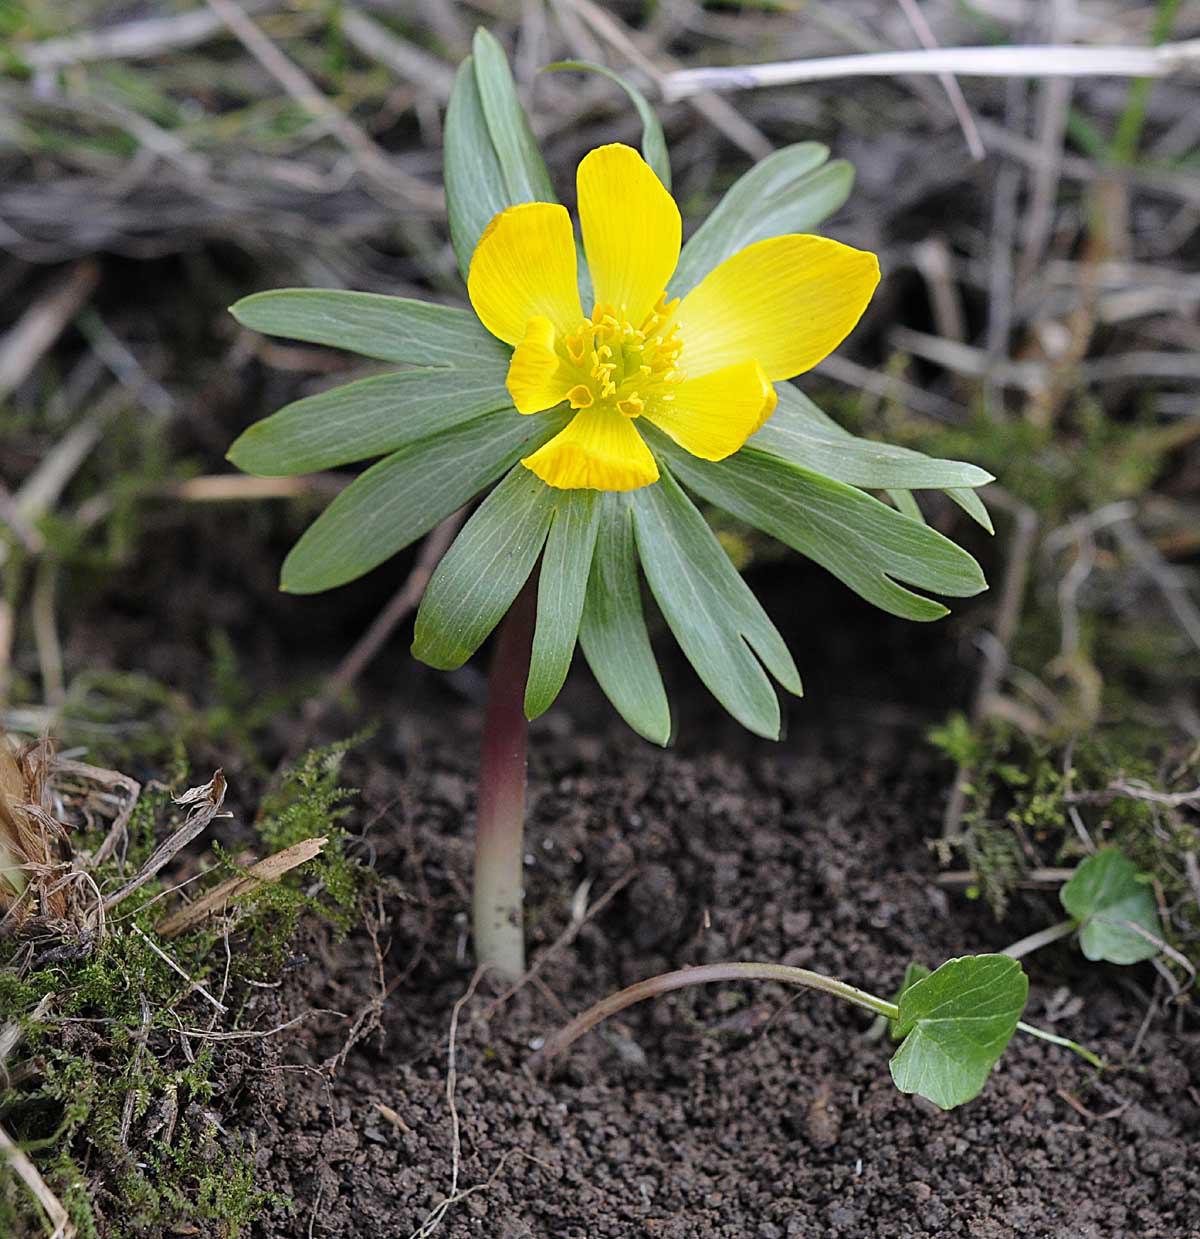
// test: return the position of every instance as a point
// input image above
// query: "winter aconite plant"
(599, 397)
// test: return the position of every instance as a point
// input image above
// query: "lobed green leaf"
(393, 329)
(369, 418)
(562, 585)
(1107, 897)
(956, 1022)
(792, 190)
(612, 630)
(654, 142)
(714, 615)
(403, 496)
(863, 542)
(484, 570)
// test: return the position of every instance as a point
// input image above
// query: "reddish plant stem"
(500, 819)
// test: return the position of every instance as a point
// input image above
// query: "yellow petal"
(631, 230)
(597, 450)
(786, 303)
(536, 380)
(524, 267)
(712, 416)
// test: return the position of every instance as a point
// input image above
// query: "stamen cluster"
(622, 365)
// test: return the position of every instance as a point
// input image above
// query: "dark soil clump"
(729, 1111)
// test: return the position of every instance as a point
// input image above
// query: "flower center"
(622, 365)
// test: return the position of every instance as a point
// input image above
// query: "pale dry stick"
(1053, 109)
(265, 871)
(1168, 582)
(124, 366)
(406, 60)
(1035, 879)
(166, 959)
(890, 387)
(949, 82)
(206, 1034)
(932, 258)
(135, 40)
(434, 1218)
(43, 322)
(233, 487)
(1032, 377)
(26, 534)
(370, 157)
(1180, 185)
(106, 778)
(205, 802)
(42, 488)
(1001, 265)
(1015, 61)
(45, 632)
(1121, 789)
(27, 1172)
(747, 137)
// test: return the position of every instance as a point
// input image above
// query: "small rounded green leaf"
(1107, 896)
(956, 1023)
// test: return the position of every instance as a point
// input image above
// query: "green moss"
(101, 1093)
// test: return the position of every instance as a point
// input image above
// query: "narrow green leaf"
(973, 506)
(613, 628)
(654, 142)
(481, 574)
(801, 433)
(561, 589)
(372, 325)
(715, 617)
(863, 542)
(904, 502)
(368, 418)
(521, 163)
(403, 496)
(956, 1023)
(475, 185)
(1106, 896)
(789, 191)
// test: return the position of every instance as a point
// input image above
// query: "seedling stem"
(500, 820)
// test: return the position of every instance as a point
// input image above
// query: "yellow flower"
(700, 369)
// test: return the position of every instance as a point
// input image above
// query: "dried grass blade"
(269, 870)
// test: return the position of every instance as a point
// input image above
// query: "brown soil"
(728, 1111)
